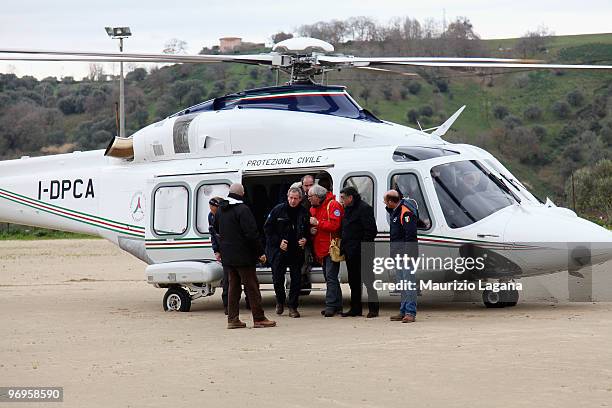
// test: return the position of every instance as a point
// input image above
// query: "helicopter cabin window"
(407, 184)
(468, 193)
(203, 195)
(364, 185)
(171, 210)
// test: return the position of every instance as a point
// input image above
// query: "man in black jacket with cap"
(358, 226)
(240, 250)
(286, 229)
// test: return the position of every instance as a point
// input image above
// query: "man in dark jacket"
(213, 205)
(286, 229)
(358, 226)
(403, 221)
(307, 182)
(240, 250)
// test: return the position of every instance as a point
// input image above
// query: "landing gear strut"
(502, 298)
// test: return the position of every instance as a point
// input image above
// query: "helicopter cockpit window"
(518, 187)
(468, 193)
(408, 186)
(415, 153)
(337, 104)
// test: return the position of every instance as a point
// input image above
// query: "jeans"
(333, 294)
(408, 302)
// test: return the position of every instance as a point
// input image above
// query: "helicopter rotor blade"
(265, 59)
(358, 61)
(451, 62)
(388, 71)
(94, 59)
(504, 65)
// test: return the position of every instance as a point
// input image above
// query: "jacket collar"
(234, 199)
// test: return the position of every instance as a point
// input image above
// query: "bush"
(606, 133)
(539, 131)
(593, 188)
(387, 93)
(426, 111)
(575, 98)
(561, 109)
(137, 75)
(500, 112)
(442, 85)
(414, 88)
(165, 106)
(413, 116)
(532, 113)
(525, 145)
(70, 105)
(512, 122)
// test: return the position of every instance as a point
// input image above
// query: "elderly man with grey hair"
(286, 229)
(240, 250)
(326, 222)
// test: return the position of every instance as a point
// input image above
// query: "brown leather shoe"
(237, 324)
(294, 313)
(280, 308)
(397, 318)
(408, 319)
(262, 324)
(371, 315)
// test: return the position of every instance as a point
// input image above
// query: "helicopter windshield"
(336, 104)
(468, 193)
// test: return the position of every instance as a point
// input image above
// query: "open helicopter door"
(177, 237)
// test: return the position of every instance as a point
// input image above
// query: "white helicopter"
(149, 193)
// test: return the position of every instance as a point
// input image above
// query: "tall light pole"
(120, 33)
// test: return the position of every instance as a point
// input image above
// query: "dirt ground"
(78, 314)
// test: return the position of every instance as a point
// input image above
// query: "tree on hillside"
(593, 189)
(533, 42)
(460, 38)
(281, 36)
(175, 46)
(334, 31)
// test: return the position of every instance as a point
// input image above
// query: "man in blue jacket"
(286, 229)
(403, 220)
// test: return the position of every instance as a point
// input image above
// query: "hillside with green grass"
(545, 125)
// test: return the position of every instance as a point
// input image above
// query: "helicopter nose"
(585, 243)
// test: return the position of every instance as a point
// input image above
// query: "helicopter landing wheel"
(177, 299)
(511, 297)
(493, 300)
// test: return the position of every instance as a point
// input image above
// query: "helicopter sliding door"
(177, 227)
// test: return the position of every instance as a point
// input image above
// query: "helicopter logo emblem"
(137, 206)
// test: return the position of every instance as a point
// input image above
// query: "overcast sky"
(79, 24)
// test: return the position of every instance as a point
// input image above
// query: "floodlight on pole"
(119, 33)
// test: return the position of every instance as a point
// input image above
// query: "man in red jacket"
(326, 222)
